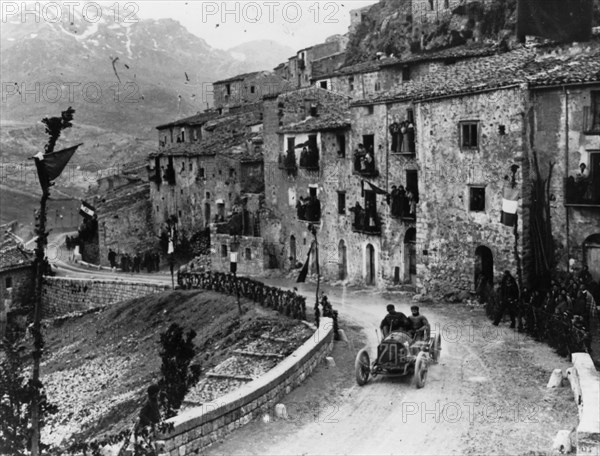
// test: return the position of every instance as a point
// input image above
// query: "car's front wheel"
(421, 367)
(362, 367)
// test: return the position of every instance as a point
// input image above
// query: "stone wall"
(61, 296)
(554, 110)
(200, 427)
(448, 232)
(250, 259)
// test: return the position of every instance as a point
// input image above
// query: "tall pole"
(313, 230)
(40, 253)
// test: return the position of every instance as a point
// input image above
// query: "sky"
(225, 24)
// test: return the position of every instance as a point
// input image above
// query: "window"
(191, 166)
(195, 134)
(157, 209)
(228, 89)
(370, 110)
(477, 199)
(592, 115)
(446, 4)
(351, 83)
(201, 173)
(469, 135)
(502, 130)
(252, 89)
(231, 172)
(377, 86)
(369, 142)
(341, 202)
(313, 110)
(182, 135)
(248, 253)
(223, 251)
(180, 214)
(341, 141)
(8, 283)
(324, 85)
(207, 195)
(431, 5)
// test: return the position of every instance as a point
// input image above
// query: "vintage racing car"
(398, 354)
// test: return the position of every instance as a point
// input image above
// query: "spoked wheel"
(420, 375)
(436, 349)
(362, 367)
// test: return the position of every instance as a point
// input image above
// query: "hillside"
(389, 27)
(98, 366)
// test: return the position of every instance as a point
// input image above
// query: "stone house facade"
(246, 89)
(567, 131)
(204, 183)
(16, 284)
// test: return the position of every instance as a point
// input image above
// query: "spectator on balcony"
(313, 157)
(582, 183)
(367, 164)
(304, 157)
(413, 199)
(398, 201)
(358, 157)
(359, 215)
(301, 208)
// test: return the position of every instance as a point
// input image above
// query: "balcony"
(309, 209)
(289, 163)
(403, 138)
(582, 192)
(366, 224)
(364, 165)
(309, 159)
(403, 206)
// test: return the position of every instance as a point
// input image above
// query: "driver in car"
(419, 326)
(393, 321)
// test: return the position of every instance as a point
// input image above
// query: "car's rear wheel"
(362, 367)
(436, 349)
(420, 375)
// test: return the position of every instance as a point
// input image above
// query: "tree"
(177, 352)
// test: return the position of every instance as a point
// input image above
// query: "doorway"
(370, 265)
(410, 256)
(591, 248)
(206, 214)
(484, 266)
(342, 260)
(293, 258)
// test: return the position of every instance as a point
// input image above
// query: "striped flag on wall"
(510, 204)
(87, 210)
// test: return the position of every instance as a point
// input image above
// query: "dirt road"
(487, 395)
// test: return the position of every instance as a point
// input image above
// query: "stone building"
(124, 213)
(465, 152)
(247, 88)
(306, 136)
(16, 283)
(206, 182)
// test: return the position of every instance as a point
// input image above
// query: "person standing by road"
(509, 294)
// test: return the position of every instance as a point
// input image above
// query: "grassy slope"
(98, 366)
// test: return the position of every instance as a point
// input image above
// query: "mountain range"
(122, 78)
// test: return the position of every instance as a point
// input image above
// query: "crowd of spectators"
(580, 187)
(309, 208)
(403, 202)
(364, 162)
(126, 262)
(365, 219)
(565, 316)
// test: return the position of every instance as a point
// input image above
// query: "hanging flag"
(87, 210)
(376, 189)
(304, 270)
(558, 20)
(50, 166)
(510, 204)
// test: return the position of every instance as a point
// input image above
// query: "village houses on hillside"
(400, 162)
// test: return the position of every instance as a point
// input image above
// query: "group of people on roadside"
(128, 263)
(564, 315)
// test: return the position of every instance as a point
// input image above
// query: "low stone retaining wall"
(200, 427)
(62, 296)
(585, 383)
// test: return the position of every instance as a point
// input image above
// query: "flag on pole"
(86, 209)
(510, 204)
(304, 270)
(376, 189)
(50, 166)
(559, 20)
